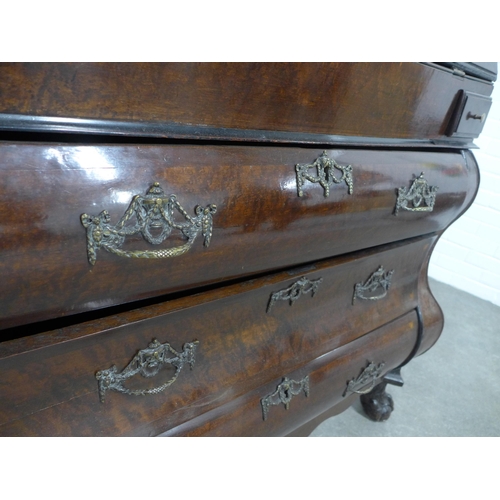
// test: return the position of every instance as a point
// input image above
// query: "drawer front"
(278, 408)
(243, 336)
(471, 111)
(80, 233)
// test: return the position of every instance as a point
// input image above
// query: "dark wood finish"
(328, 376)
(241, 416)
(306, 429)
(81, 130)
(398, 100)
(378, 404)
(235, 335)
(470, 114)
(392, 120)
(261, 223)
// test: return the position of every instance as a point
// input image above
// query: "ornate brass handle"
(364, 391)
(147, 363)
(375, 287)
(420, 197)
(284, 393)
(152, 216)
(294, 291)
(365, 381)
(325, 174)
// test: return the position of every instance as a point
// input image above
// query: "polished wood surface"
(328, 376)
(145, 416)
(240, 341)
(389, 100)
(85, 138)
(261, 223)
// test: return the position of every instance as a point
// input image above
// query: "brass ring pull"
(147, 363)
(375, 287)
(152, 216)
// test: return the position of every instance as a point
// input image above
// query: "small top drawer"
(470, 113)
(87, 227)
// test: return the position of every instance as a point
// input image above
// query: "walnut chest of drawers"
(222, 249)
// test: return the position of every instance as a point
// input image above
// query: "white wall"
(468, 254)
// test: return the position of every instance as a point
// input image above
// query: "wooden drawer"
(314, 388)
(247, 334)
(51, 265)
(471, 111)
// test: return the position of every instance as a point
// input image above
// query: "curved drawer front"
(221, 344)
(93, 226)
(278, 408)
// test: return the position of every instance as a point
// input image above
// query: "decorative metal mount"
(153, 215)
(325, 174)
(365, 381)
(294, 291)
(284, 393)
(147, 363)
(419, 192)
(375, 287)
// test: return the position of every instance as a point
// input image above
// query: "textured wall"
(468, 254)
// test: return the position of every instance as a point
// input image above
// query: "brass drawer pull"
(325, 174)
(295, 291)
(420, 197)
(147, 363)
(284, 393)
(375, 287)
(477, 117)
(152, 216)
(365, 381)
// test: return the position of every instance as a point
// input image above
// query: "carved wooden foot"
(378, 404)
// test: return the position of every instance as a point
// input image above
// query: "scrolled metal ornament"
(365, 381)
(284, 393)
(325, 174)
(375, 287)
(420, 197)
(151, 216)
(147, 363)
(295, 291)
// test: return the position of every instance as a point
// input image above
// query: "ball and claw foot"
(378, 404)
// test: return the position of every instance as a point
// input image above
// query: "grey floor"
(451, 390)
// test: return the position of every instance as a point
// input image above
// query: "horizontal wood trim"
(115, 129)
(409, 101)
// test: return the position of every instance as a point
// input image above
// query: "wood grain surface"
(242, 345)
(328, 377)
(261, 223)
(237, 133)
(390, 100)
